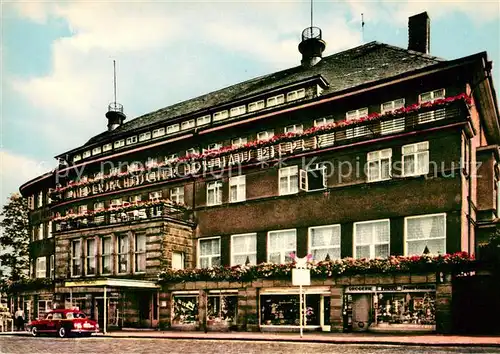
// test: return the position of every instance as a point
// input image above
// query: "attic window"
(77, 158)
(188, 124)
(265, 135)
(106, 147)
(255, 106)
(144, 136)
(295, 95)
(119, 143)
(96, 150)
(132, 140)
(238, 111)
(220, 115)
(203, 120)
(159, 132)
(275, 100)
(171, 129)
(86, 154)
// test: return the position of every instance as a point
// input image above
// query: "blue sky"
(57, 57)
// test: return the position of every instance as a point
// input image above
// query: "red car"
(64, 323)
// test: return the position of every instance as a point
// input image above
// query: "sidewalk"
(334, 338)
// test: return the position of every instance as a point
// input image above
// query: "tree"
(14, 239)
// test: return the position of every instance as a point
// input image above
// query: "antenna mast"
(114, 78)
(311, 13)
(362, 28)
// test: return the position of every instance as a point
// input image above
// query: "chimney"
(419, 33)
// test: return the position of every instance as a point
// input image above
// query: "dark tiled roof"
(344, 70)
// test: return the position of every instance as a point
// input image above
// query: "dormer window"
(238, 111)
(96, 150)
(144, 136)
(238, 142)
(106, 147)
(255, 106)
(275, 100)
(77, 158)
(221, 115)
(265, 135)
(119, 143)
(203, 120)
(296, 128)
(132, 140)
(188, 124)
(295, 95)
(174, 128)
(158, 132)
(86, 154)
(155, 195)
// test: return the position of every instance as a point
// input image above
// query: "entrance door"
(100, 311)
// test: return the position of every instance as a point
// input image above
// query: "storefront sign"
(390, 288)
(301, 277)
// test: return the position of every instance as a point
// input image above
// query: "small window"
(255, 106)
(280, 244)
(238, 142)
(213, 146)
(295, 95)
(188, 124)
(177, 260)
(96, 150)
(214, 193)
(174, 128)
(203, 120)
(116, 203)
(355, 115)
(237, 189)
(416, 159)
(288, 180)
(140, 253)
(155, 195)
(132, 140)
(429, 97)
(144, 136)
(371, 239)
(86, 154)
(99, 206)
(209, 252)
(296, 128)
(77, 158)
(106, 147)
(159, 132)
(221, 115)
(238, 111)
(119, 143)
(324, 242)
(379, 165)
(243, 249)
(82, 209)
(41, 267)
(177, 195)
(393, 125)
(76, 258)
(265, 135)
(275, 100)
(314, 178)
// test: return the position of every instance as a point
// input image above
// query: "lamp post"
(301, 276)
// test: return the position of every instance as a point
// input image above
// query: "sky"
(57, 71)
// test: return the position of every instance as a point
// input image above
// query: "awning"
(113, 282)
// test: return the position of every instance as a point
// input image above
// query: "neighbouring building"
(367, 153)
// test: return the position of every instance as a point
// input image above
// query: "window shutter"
(303, 183)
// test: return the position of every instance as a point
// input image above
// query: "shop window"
(415, 159)
(123, 249)
(430, 97)
(425, 234)
(44, 306)
(371, 239)
(222, 307)
(280, 244)
(90, 256)
(379, 165)
(106, 255)
(355, 115)
(405, 308)
(41, 267)
(185, 309)
(243, 249)
(324, 242)
(140, 253)
(209, 252)
(283, 310)
(237, 189)
(393, 125)
(76, 258)
(288, 180)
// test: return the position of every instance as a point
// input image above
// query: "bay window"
(324, 242)
(209, 252)
(371, 239)
(243, 249)
(280, 244)
(425, 234)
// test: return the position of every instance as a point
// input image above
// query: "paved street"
(13, 344)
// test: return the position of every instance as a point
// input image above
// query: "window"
(295, 95)
(429, 97)
(106, 255)
(265, 135)
(237, 189)
(296, 128)
(355, 115)
(76, 258)
(203, 120)
(238, 142)
(213, 146)
(393, 125)
(99, 206)
(41, 267)
(314, 178)
(255, 106)
(220, 115)
(131, 140)
(379, 165)
(90, 256)
(116, 203)
(40, 199)
(77, 158)
(52, 266)
(31, 202)
(134, 199)
(185, 308)
(243, 249)
(106, 147)
(209, 252)
(155, 195)
(177, 195)
(96, 150)
(82, 209)
(238, 111)
(324, 242)
(192, 151)
(187, 124)
(84, 191)
(416, 159)
(222, 305)
(144, 136)
(214, 193)
(86, 154)
(177, 260)
(425, 234)
(140, 253)
(275, 100)
(39, 232)
(280, 244)
(288, 180)
(49, 229)
(123, 248)
(161, 131)
(151, 162)
(171, 157)
(44, 306)
(371, 239)
(119, 143)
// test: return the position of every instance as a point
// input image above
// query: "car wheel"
(61, 332)
(34, 331)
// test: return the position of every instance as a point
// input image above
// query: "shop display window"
(409, 308)
(222, 307)
(185, 309)
(283, 310)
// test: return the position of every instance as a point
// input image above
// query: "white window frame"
(235, 253)
(126, 253)
(257, 105)
(182, 260)
(86, 154)
(309, 240)
(52, 266)
(431, 115)
(39, 230)
(418, 170)
(356, 114)
(177, 195)
(109, 255)
(131, 140)
(41, 272)
(288, 173)
(192, 151)
(213, 147)
(216, 186)
(49, 229)
(203, 120)
(237, 111)
(377, 157)
(372, 244)
(159, 132)
(141, 253)
(39, 199)
(405, 243)
(295, 94)
(304, 177)
(77, 157)
(96, 151)
(283, 252)
(265, 135)
(239, 182)
(275, 100)
(393, 125)
(188, 124)
(144, 136)
(208, 256)
(119, 143)
(156, 195)
(238, 142)
(294, 128)
(77, 258)
(90, 258)
(221, 115)
(107, 147)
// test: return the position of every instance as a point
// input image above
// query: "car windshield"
(78, 315)
(49, 316)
